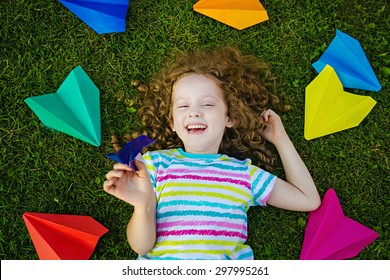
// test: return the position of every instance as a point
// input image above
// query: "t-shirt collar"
(198, 156)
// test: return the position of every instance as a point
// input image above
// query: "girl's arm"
(298, 192)
(141, 230)
(136, 189)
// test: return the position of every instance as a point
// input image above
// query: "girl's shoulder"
(167, 152)
(243, 162)
(159, 155)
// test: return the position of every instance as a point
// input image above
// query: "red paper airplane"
(332, 236)
(63, 237)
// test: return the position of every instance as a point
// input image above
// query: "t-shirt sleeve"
(150, 164)
(263, 183)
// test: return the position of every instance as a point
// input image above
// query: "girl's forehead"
(198, 85)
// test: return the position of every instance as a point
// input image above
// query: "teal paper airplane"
(346, 56)
(74, 109)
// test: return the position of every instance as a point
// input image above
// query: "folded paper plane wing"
(332, 236)
(329, 109)
(63, 237)
(130, 150)
(346, 56)
(74, 109)
(239, 14)
(103, 16)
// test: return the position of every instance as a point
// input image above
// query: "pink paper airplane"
(332, 236)
(63, 237)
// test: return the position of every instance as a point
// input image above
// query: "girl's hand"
(274, 131)
(132, 187)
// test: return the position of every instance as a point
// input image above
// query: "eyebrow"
(205, 97)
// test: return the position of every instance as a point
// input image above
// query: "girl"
(208, 112)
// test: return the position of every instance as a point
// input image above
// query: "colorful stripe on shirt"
(202, 204)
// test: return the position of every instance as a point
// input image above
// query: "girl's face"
(199, 114)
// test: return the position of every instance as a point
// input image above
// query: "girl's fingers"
(142, 171)
(111, 181)
(265, 114)
(269, 115)
(108, 185)
(120, 166)
(114, 174)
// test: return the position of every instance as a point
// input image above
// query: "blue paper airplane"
(346, 56)
(103, 16)
(130, 150)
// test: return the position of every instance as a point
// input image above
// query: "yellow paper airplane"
(329, 109)
(239, 14)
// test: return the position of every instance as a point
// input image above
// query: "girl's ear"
(172, 127)
(230, 122)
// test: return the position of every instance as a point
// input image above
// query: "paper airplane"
(239, 14)
(103, 16)
(346, 56)
(329, 109)
(74, 109)
(63, 237)
(332, 236)
(130, 150)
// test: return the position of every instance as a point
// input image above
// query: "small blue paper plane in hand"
(130, 150)
(346, 56)
(103, 16)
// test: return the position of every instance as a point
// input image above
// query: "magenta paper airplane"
(332, 236)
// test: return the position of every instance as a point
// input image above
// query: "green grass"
(44, 171)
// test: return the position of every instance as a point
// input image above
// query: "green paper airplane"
(74, 109)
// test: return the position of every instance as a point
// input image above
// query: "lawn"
(51, 172)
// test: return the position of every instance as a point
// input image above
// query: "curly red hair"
(248, 88)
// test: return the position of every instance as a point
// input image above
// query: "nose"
(194, 115)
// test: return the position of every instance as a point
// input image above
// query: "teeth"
(196, 126)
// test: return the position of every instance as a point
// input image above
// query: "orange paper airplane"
(63, 237)
(239, 14)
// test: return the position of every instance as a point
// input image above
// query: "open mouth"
(196, 128)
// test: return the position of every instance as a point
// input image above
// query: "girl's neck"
(198, 155)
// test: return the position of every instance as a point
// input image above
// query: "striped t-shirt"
(202, 202)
